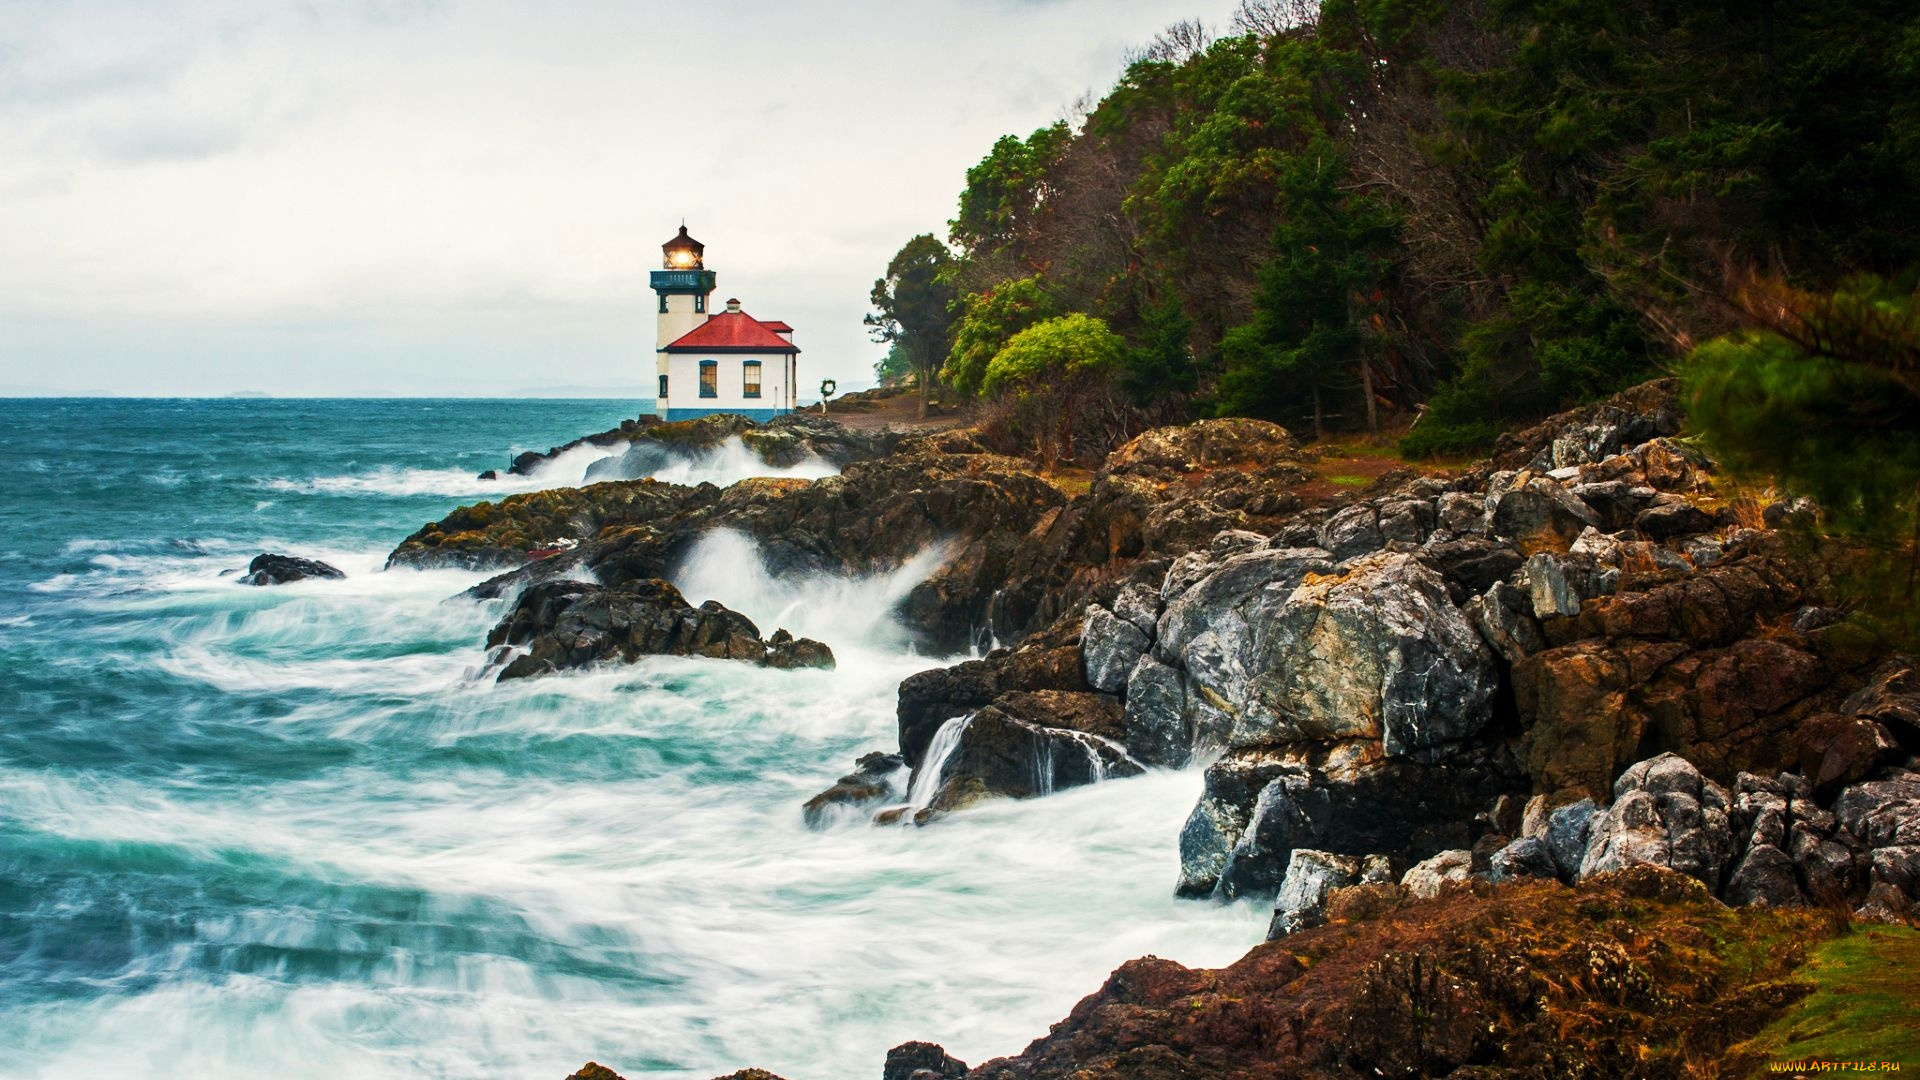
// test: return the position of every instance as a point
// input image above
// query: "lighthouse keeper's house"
(716, 361)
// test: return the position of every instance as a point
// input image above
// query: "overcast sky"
(418, 197)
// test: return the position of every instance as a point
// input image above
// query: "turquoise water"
(291, 832)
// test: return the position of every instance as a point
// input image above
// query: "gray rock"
(1567, 829)
(1352, 532)
(1378, 651)
(1220, 817)
(1409, 521)
(1898, 866)
(1302, 901)
(1139, 605)
(1157, 728)
(1765, 877)
(1462, 513)
(1552, 595)
(1425, 880)
(1667, 814)
(1527, 857)
(1504, 617)
(1881, 813)
(1109, 648)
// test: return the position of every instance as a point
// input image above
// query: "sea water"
(298, 831)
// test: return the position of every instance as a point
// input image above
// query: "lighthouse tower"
(715, 361)
(684, 285)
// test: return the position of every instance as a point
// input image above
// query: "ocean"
(294, 831)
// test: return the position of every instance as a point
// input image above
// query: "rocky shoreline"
(1585, 672)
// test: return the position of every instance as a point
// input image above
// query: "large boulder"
(1280, 646)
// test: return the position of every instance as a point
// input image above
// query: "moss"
(1865, 1005)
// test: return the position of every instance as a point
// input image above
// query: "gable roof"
(731, 331)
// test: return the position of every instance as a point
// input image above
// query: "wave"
(728, 566)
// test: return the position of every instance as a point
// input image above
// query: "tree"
(1048, 366)
(1311, 305)
(911, 307)
(987, 322)
(1822, 393)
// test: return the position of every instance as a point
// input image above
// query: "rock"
(1567, 833)
(1612, 501)
(1836, 751)
(1345, 799)
(1157, 729)
(1311, 876)
(1111, 646)
(1552, 595)
(1352, 532)
(1140, 605)
(1664, 813)
(593, 1070)
(1461, 513)
(1882, 813)
(1766, 877)
(1203, 444)
(1504, 618)
(1424, 881)
(1000, 755)
(568, 624)
(787, 652)
(269, 569)
(873, 782)
(1472, 563)
(1289, 654)
(922, 1061)
(1885, 904)
(1527, 857)
(1672, 516)
(1540, 515)
(1406, 521)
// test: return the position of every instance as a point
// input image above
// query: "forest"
(1438, 220)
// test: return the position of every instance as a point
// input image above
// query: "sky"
(445, 198)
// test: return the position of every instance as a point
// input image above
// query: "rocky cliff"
(1587, 656)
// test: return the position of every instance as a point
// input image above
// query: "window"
(699, 303)
(663, 303)
(709, 378)
(663, 386)
(750, 378)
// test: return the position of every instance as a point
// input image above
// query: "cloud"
(491, 177)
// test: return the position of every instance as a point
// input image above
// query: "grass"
(1865, 1006)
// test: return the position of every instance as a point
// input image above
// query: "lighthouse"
(709, 361)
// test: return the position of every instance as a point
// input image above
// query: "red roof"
(732, 331)
(776, 326)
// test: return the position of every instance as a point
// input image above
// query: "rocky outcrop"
(922, 1061)
(1635, 974)
(645, 444)
(270, 569)
(976, 508)
(561, 625)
